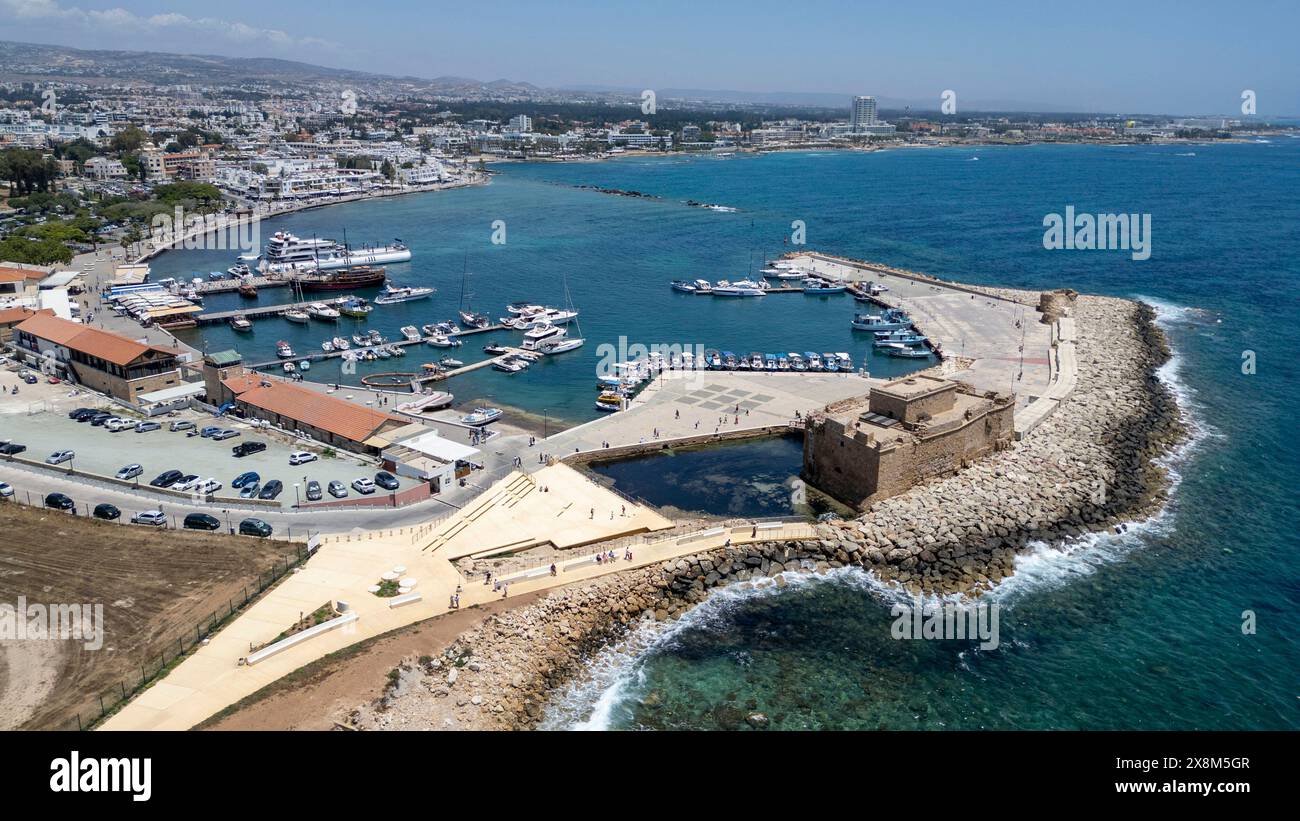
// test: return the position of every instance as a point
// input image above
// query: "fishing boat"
(296, 315)
(241, 323)
(410, 333)
(782, 362)
(740, 288)
(813, 359)
(340, 344)
(819, 287)
(905, 351)
(609, 401)
(899, 337)
(355, 307)
(481, 417)
(830, 362)
(394, 294)
(891, 320)
(797, 362)
(319, 310)
(289, 367)
(730, 361)
(283, 350)
(769, 362)
(756, 362)
(304, 365)
(846, 361)
(247, 290)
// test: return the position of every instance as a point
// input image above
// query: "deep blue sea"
(1138, 631)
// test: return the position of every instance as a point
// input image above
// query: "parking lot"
(103, 452)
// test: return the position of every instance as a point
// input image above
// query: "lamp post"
(228, 526)
(545, 421)
(297, 500)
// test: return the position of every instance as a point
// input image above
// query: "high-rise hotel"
(862, 119)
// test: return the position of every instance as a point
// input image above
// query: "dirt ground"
(155, 587)
(318, 695)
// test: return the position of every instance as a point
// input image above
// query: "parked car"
(337, 489)
(6, 490)
(167, 478)
(80, 414)
(12, 448)
(146, 426)
(107, 512)
(117, 423)
(186, 482)
(201, 521)
(60, 501)
(130, 471)
(271, 489)
(208, 487)
(153, 518)
(313, 491)
(100, 418)
(363, 485)
(58, 457)
(31, 379)
(248, 477)
(249, 491)
(180, 424)
(386, 480)
(209, 430)
(225, 434)
(254, 527)
(245, 448)
(301, 457)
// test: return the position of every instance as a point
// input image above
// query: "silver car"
(130, 471)
(58, 457)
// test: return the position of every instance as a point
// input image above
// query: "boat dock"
(319, 355)
(262, 310)
(231, 284)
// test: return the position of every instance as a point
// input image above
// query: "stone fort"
(862, 450)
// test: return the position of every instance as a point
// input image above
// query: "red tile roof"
(338, 416)
(74, 336)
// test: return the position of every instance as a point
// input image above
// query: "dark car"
(245, 448)
(60, 501)
(100, 418)
(248, 477)
(386, 480)
(202, 521)
(107, 512)
(11, 448)
(254, 527)
(167, 479)
(313, 491)
(271, 489)
(80, 414)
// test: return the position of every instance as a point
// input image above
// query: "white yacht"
(322, 311)
(742, 287)
(401, 293)
(411, 333)
(542, 330)
(286, 252)
(296, 315)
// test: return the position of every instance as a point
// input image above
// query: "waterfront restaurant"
(100, 360)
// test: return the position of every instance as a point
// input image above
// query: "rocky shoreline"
(1091, 466)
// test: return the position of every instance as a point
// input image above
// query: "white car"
(186, 483)
(58, 457)
(6, 490)
(117, 423)
(208, 487)
(301, 457)
(363, 485)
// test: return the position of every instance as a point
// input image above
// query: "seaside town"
(313, 446)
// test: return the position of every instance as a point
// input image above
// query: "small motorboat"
(481, 417)
(442, 341)
(340, 344)
(821, 287)
(289, 367)
(241, 324)
(449, 362)
(411, 333)
(283, 350)
(304, 365)
(830, 362)
(510, 364)
(320, 310)
(355, 308)
(327, 346)
(609, 401)
(902, 351)
(494, 348)
(248, 290)
(237, 270)
(297, 315)
(360, 340)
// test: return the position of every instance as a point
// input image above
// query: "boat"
(481, 417)
(699, 286)
(830, 362)
(340, 344)
(319, 310)
(382, 352)
(555, 345)
(355, 307)
(327, 346)
(782, 273)
(394, 294)
(286, 252)
(241, 323)
(494, 348)
(905, 351)
(239, 269)
(900, 337)
(396, 350)
(510, 364)
(289, 367)
(360, 276)
(411, 333)
(730, 361)
(283, 350)
(813, 359)
(440, 340)
(467, 315)
(428, 402)
(474, 320)
(375, 337)
(304, 365)
(797, 362)
(544, 330)
(247, 290)
(296, 315)
(846, 361)
(818, 286)
(520, 308)
(609, 401)
(361, 340)
(743, 287)
(891, 320)
(770, 362)
(450, 362)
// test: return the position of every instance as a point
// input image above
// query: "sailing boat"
(563, 342)
(467, 316)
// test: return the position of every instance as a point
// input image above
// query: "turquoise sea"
(1142, 630)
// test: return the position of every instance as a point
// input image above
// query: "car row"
(153, 518)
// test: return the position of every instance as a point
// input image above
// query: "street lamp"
(297, 500)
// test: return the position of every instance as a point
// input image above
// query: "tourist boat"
(510, 364)
(320, 310)
(283, 350)
(296, 315)
(241, 323)
(481, 417)
(892, 337)
(813, 359)
(286, 252)
(743, 287)
(905, 351)
(892, 320)
(394, 294)
(609, 401)
(818, 286)
(361, 276)
(304, 365)
(410, 333)
(289, 367)
(355, 307)
(247, 290)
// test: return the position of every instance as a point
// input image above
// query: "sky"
(1150, 56)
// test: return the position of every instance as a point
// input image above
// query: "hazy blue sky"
(1104, 55)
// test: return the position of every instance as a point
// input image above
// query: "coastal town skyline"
(1001, 62)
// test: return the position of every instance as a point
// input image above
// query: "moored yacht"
(241, 323)
(743, 287)
(402, 293)
(296, 315)
(320, 310)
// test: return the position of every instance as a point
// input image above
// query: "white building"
(520, 123)
(863, 113)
